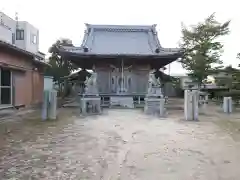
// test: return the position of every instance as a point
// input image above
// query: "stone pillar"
(53, 105)
(45, 105)
(227, 104)
(49, 109)
(191, 105)
(161, 107)
(83, 106)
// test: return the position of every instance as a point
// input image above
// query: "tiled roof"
(36, 58)
(121, 40)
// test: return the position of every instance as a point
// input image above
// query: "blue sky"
(56, 19)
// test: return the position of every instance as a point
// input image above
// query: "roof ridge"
(121, 27)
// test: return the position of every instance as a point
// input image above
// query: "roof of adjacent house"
(132, 40)
(35, 57)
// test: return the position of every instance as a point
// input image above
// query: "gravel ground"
(120, 145)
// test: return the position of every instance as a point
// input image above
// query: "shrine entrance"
(121, 79)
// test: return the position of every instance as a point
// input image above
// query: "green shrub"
(231, 93)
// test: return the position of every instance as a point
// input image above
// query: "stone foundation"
(123, 101)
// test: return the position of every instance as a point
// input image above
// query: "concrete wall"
(8, 27)
(27, 83)
(5, 34)
(30, 32)
(22, 43)
(48, 83)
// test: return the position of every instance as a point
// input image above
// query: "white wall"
(29, 31)
(7, 27)
(11, 23)
(48, 83)
(5, 34)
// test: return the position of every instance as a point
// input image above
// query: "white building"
(19, 33)
(186, 81)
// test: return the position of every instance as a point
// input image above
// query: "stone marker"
(52, 105)
(49, 106)
(227, 104)
(45, 105)
(191, 105)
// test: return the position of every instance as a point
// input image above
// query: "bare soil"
(122, 145)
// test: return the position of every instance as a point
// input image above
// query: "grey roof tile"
(121, 40)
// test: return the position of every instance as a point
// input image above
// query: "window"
(34, 39)
(5, 77)
(19, 34)
(5, 86)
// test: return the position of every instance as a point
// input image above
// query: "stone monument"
(154, 101)
(49, 106)
(191, 103)
(91, 101)
(227, 104)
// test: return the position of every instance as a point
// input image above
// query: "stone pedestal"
(191, 105)
(155, 106)
(90, 105)
(123, 101)
(155, 92)
(227, 104)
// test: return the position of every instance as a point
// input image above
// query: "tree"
(238, 56)
(230, 79)
(227, 78)
(202, 48)
(60, 67)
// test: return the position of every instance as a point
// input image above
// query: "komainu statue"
(91, 84)
(154, 84)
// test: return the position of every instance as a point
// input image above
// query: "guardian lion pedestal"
(154, 101)
(90, 102)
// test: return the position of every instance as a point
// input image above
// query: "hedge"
(231, 93)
